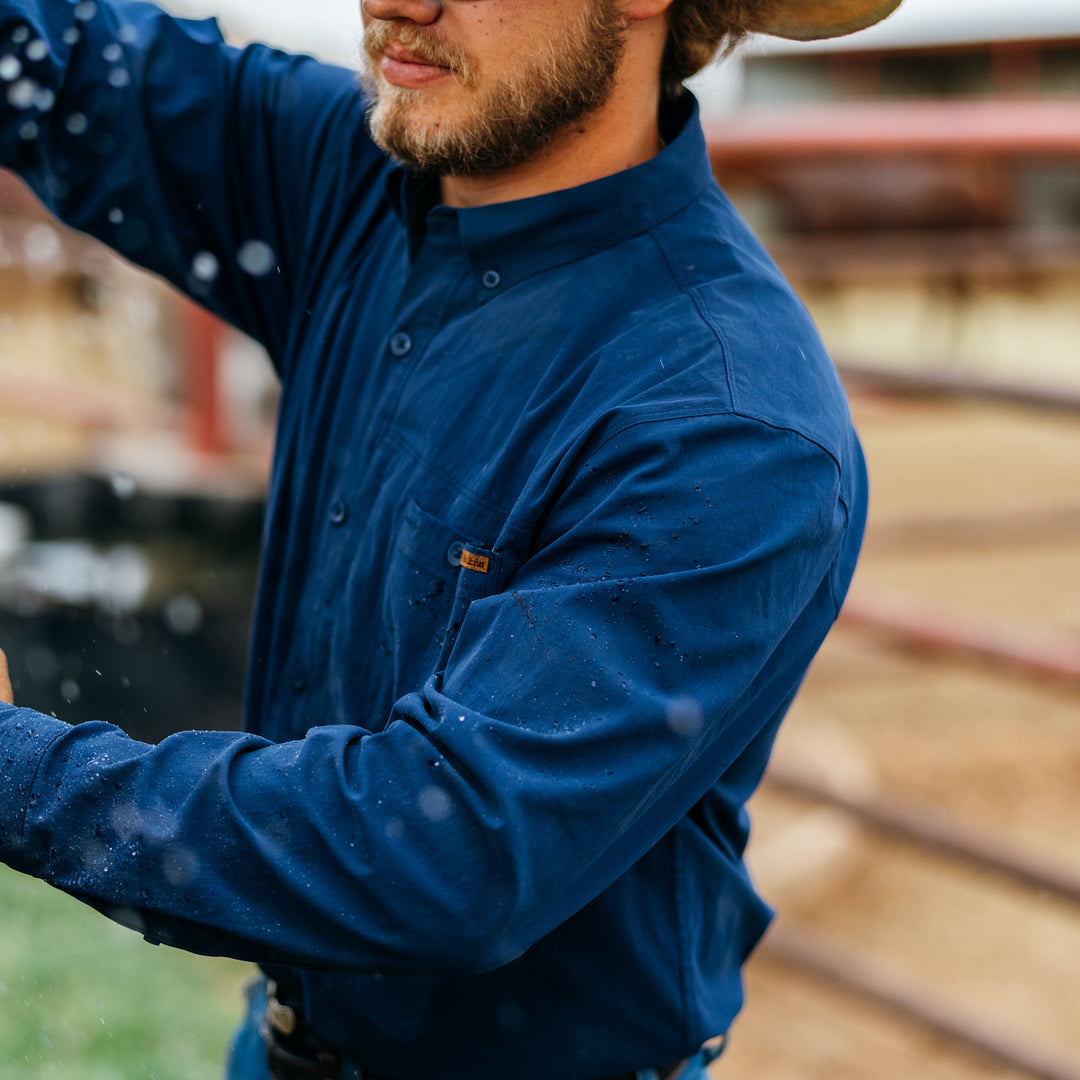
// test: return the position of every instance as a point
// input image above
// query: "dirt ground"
(976, 515)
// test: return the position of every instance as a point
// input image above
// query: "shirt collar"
(508, 242)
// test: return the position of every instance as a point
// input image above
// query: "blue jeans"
(247, 1055)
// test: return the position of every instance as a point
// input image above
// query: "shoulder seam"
(695, 299)
(699, 414)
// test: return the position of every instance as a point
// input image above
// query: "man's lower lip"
(401, 73)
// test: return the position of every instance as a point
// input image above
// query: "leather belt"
(289, 1065)
(294, 1054)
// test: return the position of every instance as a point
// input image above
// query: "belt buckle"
(280, 1017)
(290, 1058)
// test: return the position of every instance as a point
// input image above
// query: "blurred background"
(919, 832)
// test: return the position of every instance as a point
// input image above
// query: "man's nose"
(417, 11)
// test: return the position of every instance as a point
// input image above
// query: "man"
(565, 498)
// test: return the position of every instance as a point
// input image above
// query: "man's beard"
(509, 121)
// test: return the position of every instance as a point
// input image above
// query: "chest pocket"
(436, 570)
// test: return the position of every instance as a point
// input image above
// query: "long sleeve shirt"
(565, 498)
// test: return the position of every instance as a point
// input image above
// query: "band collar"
(508, 242)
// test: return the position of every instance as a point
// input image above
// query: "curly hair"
(699, 29)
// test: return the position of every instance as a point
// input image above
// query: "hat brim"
(810, 20)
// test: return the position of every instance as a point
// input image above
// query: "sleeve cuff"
(25, 738)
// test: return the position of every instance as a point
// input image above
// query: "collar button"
(491, 279)
(400, 344)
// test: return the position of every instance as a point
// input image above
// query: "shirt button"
(401, 344)
(491, 279)
(453, 553)
(299, 679)
(338, 512)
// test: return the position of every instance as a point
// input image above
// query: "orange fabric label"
(471, 561)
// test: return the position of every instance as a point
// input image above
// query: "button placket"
(418, 316)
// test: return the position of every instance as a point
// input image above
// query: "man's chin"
(405, 133)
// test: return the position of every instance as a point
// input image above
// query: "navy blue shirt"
(565, 498)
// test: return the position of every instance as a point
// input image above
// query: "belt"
(293, 1053)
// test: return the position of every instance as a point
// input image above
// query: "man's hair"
(698, 29)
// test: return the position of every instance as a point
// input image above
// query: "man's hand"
(5, 681)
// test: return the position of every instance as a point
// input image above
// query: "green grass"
(84, 999)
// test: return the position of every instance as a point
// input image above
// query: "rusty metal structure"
(924, 198)
(943, 638)
(920, 195)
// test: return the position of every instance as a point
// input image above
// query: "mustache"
(423, 44)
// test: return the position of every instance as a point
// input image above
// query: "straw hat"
(804, 20)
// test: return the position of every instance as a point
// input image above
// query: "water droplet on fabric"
(10, 68)
(118, 78)
(128, 34)
(112, 52)
(116, 215)
(434, 803)
(180, 866)
(71, 35)
(125, 819)
(37, 50)
(685, 716)
(20, 34)
(20, 94)
(85, 10)
(256, 257)
(205, 266)
(95, 854)
(76, 123)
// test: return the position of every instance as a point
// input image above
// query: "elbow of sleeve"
(476, 941)
(493, 949)
(482, 923)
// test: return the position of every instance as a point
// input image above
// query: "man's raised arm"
(194, 159)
